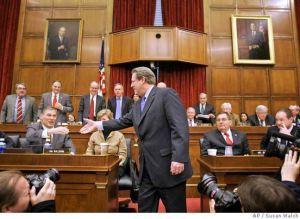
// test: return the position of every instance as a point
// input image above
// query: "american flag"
(101, 76)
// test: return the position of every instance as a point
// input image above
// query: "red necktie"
(91, 115)
(19, 111)
(54, 100)
(228, 140)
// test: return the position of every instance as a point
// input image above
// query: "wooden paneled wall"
(246, 86)
(75, 78)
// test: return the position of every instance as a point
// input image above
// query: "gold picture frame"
(252, 40)
(62, 40)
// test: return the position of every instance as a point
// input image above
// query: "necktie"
(143, 103)
(202, 109)
(19, 111)
(261, 123)
(91, 115)
(228, 140)
(54, 100)
(191, 123)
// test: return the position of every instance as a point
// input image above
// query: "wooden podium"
(87, 183)
(232, 170)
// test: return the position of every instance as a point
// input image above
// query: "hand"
(211, 115)
(46, 193)
(284, 130)
(176, 168)
(58, 106)
(212, 203)
(89, 127)
(61, 47)
(58, 130)
(291, 167)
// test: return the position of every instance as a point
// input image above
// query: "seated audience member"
(190, 112)
(8, 141)
(161, 85)
(235, 119)
(135, 98)
(284, 125)
(19, 108)
(116, 141)
(224, 139)
(261, 117)
(45, 129)
(244, 119)
(205, 112)
(16, 196)
(60, 101)
(90, 104)
(119, 104)
(295, 112)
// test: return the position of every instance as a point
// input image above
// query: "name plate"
(57, 151)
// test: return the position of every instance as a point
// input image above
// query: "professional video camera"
(278, 149)
(225, 201)
(38, 181)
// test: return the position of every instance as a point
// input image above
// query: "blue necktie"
(118, 108)
(143, 103)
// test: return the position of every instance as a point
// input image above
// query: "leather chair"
(15, 139)
(128, 181)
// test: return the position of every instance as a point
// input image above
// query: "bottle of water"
(2, 145)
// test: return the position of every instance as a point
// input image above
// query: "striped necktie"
(19, 111)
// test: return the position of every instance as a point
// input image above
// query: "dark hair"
(8, 194)
(227, 114)
(245, 114)
(264, 194)
(287, 111)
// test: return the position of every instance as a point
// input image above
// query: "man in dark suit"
(204, 109)
(19, 107)
(255, 43)
(284, 125)
(37, 133)
(224, 139)
(119, 104)
(57, 100)
(261, 117)
(59, 45)
(90, 104)
(160, 122)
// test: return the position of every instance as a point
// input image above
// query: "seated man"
(190, 113)
(284, 125)
(295, 112)
(224, 138)
(204, 109)
(16, 196)
(9, 142)
(261, 117)
(38, 133)
(116, 141)
(235, 119)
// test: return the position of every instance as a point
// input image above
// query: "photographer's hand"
(291, 167)
(46, 193)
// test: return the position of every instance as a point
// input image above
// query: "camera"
(278, 149)
(38, 181)
(225, 201)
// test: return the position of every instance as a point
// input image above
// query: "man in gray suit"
(37, 133)
(19, 107)
(90, 104)
(224, 139)
(56, 99)
(160, 122)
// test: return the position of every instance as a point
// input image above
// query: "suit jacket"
(253, 119)
(54, 43)
(163, 134)
(34, 137)
(257, 41)
(64, 99)
(209, 109)
(126, 105)
(215, 140)
(274, 129)
(84, 106)
(235, 119)
(8, 110)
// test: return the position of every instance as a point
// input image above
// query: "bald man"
(90, 104)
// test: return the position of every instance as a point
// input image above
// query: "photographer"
(284, 125)
(16, 195)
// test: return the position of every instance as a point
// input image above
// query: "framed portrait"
(252, 40)
(63, 41)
